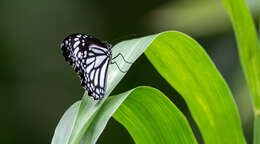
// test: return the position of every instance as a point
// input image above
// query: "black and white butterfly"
(90, 58)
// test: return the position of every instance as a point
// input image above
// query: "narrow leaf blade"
(249, 52)
(248, 45)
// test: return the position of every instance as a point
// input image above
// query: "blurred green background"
(37, 86)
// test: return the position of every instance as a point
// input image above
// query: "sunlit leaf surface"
(188, 69)
(148, 115)
(249, 52)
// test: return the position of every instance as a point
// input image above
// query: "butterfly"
(90, 58)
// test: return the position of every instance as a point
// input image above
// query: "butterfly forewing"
(90, 59)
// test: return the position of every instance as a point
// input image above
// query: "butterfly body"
(90, 58)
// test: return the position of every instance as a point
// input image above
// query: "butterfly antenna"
(118, 67)
(120, 54)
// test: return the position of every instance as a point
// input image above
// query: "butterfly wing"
(96, 75)
(90, 59)
(72, 48)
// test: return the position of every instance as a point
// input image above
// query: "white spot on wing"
(97, 51)
(90, 67)
(76, 44)
(97, 91)
(76, 51)
(99, 60)
(92, 74)
(96, 77)
(90, 60)
(103, 73)
(102, 48)
(90, 54)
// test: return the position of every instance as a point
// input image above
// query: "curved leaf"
(187, 67)
(88, 107)
(63, 129)
(249, 53)
(248, 47)
(148, 115)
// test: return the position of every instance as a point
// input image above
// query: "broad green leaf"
(187, 67)
(210, 103)
(148, 115)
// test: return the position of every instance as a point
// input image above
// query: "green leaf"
(149, 116)
(63, 129)
(187, 67)
(102, 117)
(257, 129)
(78, 121)
(155, 117)
(249, 53)
(248, 47)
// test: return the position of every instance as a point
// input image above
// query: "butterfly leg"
(122, 57)
(107, 44)
(118, 67)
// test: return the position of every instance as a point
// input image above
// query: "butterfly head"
(108, 45)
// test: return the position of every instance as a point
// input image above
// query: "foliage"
(148, 115)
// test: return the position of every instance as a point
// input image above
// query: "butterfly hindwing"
(96, 74)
